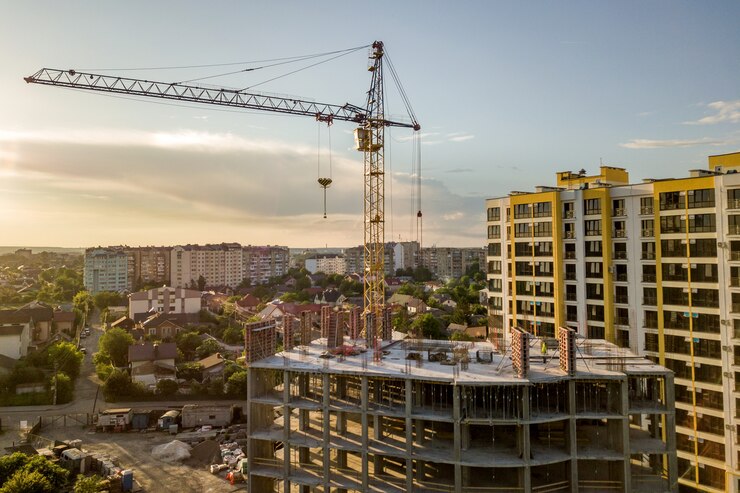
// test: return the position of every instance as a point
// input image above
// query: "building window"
(672, 224)
(494, 213)
(647, 226)
(700, 198)
(593, 227)
(568, 210)
(593, 249)
(522, 211)
(595, 332)
(702, 223)
(618, 208)
(542, 229)
(494, 232)
(592, 206)
(542, 209)
(593, 270)
(670, 201)
(594, 291)
(521, 230)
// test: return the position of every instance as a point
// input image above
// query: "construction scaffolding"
(260, 340)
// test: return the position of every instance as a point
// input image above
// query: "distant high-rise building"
(328, 264)
(451, 263)
(405, 255)
(651, 266)
(219, 265)
(260, 263)
(106, 269)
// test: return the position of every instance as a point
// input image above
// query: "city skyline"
(503, 92)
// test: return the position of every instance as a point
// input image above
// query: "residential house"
(393, 284)
(124, 323)
(14, 340)
(213, 367)
(214, 302)
(248, 304)
(162, 326)
(64, 321)
(38, 316)
(331, 297)
(150, 363)
(165, 300)
(412, 304)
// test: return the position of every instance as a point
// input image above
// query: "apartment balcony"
(569, 235)
(568, 215)
(648, 277)
(735, 282)
(620, 255)
(650, 300)
(733, 229)
(734, 255)
(648, 256)
(570, 276)
(733, 204)
(593, 232)
(620, 233)
(735, 308)
(648, 233)
(571, 297)
(622, 320)
(621, 298)
(570, 255)
(619, 212)
(621, 277)
(646, 210)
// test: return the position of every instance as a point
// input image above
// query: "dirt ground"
(133, 451)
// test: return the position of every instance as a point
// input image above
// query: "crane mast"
(369, 138)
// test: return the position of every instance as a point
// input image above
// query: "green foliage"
(88, 484)
(401, 321)
(103, 370)
(302, 283)
(428, 326)
(117, 386)
(167, 387)
(115, 343)
(201, 283)
(65, 357)
(188, 342)
(65, 387)
(207, 348)
(9, 464)
(22, 474)
(27, 482)
(190, 371)
(233, 335)
(58, 285)
(236, 384)
(84, 302)
(104, 299)
(216, 387)
(461, 336)
(296, 297)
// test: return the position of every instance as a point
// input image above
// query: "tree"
(233, 335)
(188, 342)
(27, 482)
(64, 388)
(459, 335)
(84, 302)
(118, 385)
(65, 357)
(104, 299)
(236, 385)
(167, 387)
(55, 474)
(207, 348)
(9, 464)
(428, 326)
(115, 343)
(190, 371)
(88, 484)
(201, 283)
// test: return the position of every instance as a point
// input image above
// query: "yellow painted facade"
(731, 160)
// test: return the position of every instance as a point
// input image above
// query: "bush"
(103, 370)
(167, 387)
(88, 484)
(237, 384)
(64, 386)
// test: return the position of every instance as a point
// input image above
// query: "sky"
(507, 94)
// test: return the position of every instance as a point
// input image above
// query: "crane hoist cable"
(324, 182)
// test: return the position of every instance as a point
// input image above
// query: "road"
(85, 389)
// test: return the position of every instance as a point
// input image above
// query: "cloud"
(461, 138)
(459, 170)
(188, 186)
(726, 112)
(658, 144)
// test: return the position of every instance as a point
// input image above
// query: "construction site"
(338, 414)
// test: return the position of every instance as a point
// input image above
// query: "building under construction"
(423, 415)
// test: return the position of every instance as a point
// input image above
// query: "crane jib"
(209, 95)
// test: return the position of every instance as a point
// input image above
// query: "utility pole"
(55, 383)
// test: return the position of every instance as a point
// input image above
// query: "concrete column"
(250, 427)
(286, 431)
(670, 424)
(456, 437)
(363, 406)
(409, 436)
(572, 435)
(625, 438)
(326, 430)
(526, 448)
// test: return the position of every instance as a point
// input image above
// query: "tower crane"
(369, 139)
